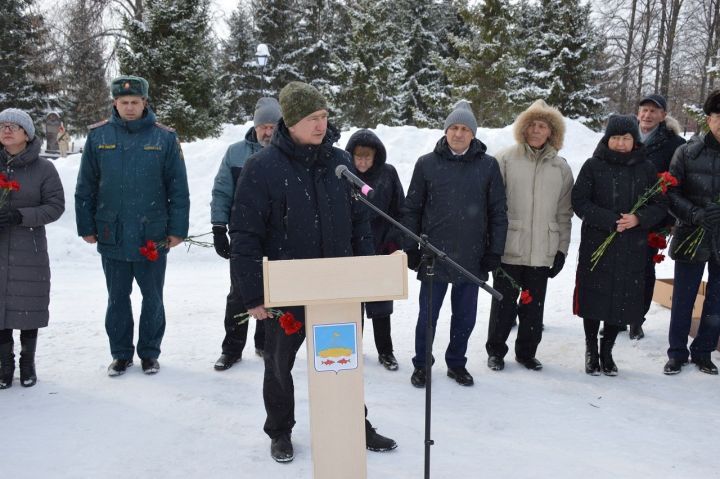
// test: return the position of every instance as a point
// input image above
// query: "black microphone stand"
(429, 255)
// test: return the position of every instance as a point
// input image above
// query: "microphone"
(343, 171)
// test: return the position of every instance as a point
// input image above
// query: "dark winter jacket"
(290, 205)
(388, 196)
(608, 185)
(696, 165)
(132, 186)
(224, 186)
(459, 203)
(661, 146)
(24, 262)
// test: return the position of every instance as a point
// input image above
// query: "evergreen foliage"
(86, 87)
(28, 76)
(174, 49)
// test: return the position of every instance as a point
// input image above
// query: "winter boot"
(27, 362)
(592, 358)
(7, 365)
(606, 360)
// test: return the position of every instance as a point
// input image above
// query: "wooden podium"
(332, 289)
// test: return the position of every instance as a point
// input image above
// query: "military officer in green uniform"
(132, 187)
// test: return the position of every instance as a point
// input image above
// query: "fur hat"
(620, 125)
(712, 103)
(19, 117)
(540, 110)
(267, 110)
(462, 114)
(298, 100)
(129, 85)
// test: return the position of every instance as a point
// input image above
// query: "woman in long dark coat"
(607, 188)
(24, 262)
(369, 157)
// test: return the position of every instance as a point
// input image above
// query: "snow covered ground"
(190, 421)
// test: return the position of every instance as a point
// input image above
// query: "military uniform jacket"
(132, 186)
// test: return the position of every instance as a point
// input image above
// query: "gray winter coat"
(24, 262)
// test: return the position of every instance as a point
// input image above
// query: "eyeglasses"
(10, 126)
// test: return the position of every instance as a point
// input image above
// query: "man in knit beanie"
(289, 204)
(267, 114)
(467, 219)
(20, 118)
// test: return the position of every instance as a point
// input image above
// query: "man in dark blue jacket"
(457, 198)
(132, 188)
(267, 114)
(290, 205)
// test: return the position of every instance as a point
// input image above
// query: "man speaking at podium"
(289, 204)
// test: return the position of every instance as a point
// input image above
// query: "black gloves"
(490, 262)
(711, 217)
(10, 217)
(221, 241)
(414, 257)
(558, 264)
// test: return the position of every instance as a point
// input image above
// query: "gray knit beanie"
(267, 110)
(619, 125)
(298, 100)
(461, 115)
(19, 117)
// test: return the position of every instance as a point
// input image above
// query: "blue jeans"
(464, 312)
(685, 288)
(150, 277)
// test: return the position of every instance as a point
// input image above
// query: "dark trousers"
(503, 313)
(381, 331)
(6, 335)
(278, 387)
(649, 281)
(462, 321)
(592, 328)
(685, 288)
(150, 278)
(236, 334)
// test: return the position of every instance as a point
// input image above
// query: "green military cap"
(129, 85)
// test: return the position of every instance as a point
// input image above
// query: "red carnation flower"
(150, 251)
(658, 258)
(657, 241)
(525, 297)
(289, 324)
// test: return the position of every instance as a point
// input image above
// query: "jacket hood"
(251, 136)
(370, 139)
(306, 154)
(148, 119)
(25, 157)
(476, 148)
(603, 152)
(543, 112)
(673, 125)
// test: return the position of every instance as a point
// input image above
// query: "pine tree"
(173, 48)
(563, 51)
(87, 94)
(484, 64)
(28, 76)
(241, 79)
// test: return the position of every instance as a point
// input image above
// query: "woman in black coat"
(369, 157)
(35, 200)
(607, 188)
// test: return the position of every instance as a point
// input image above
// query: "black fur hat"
(620, 125)
(712, 103)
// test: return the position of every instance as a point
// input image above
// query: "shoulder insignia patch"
(100, 123)
(164, 127)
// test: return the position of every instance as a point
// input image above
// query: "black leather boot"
(7, 365)
(592, 358)
(27, 362)
(606, 360)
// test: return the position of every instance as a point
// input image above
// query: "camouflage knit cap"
(298, 100)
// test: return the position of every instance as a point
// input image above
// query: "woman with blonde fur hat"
(538, 185)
